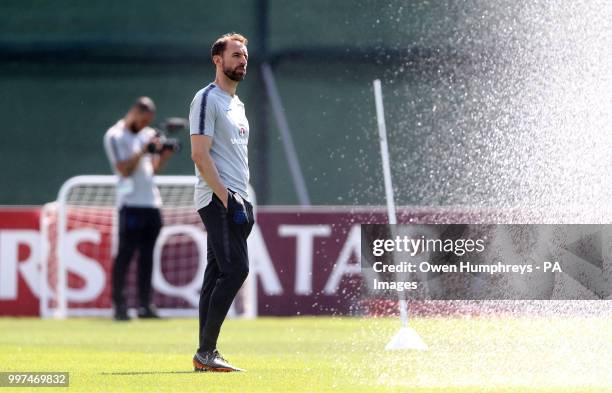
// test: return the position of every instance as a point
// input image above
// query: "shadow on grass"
(150, 372)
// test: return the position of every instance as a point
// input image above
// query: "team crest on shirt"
(242, 139)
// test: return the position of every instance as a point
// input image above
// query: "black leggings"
(138, 230)
(227, 265)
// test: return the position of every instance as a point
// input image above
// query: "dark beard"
(133, 128)
(233, 75)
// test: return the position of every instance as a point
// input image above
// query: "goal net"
(79, 236)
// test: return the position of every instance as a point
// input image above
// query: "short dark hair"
(144, 104)
(219, 46)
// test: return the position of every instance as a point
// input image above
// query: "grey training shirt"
(138, 189)
(217, 114)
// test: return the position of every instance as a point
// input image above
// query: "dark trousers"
(227, 265)
(138, 230)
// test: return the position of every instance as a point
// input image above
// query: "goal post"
(79, 242)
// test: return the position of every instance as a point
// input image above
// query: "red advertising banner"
(305, 260)
(20, 253)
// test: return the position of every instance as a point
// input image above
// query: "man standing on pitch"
(135, 154)
(219, 137)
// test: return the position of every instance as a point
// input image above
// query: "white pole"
(384, 150)
(406, 337)
(283, 126)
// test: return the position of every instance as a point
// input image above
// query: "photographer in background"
(136, 154)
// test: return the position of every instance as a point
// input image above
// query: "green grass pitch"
(322, 354)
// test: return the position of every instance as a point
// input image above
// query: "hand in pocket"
(236, 209)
